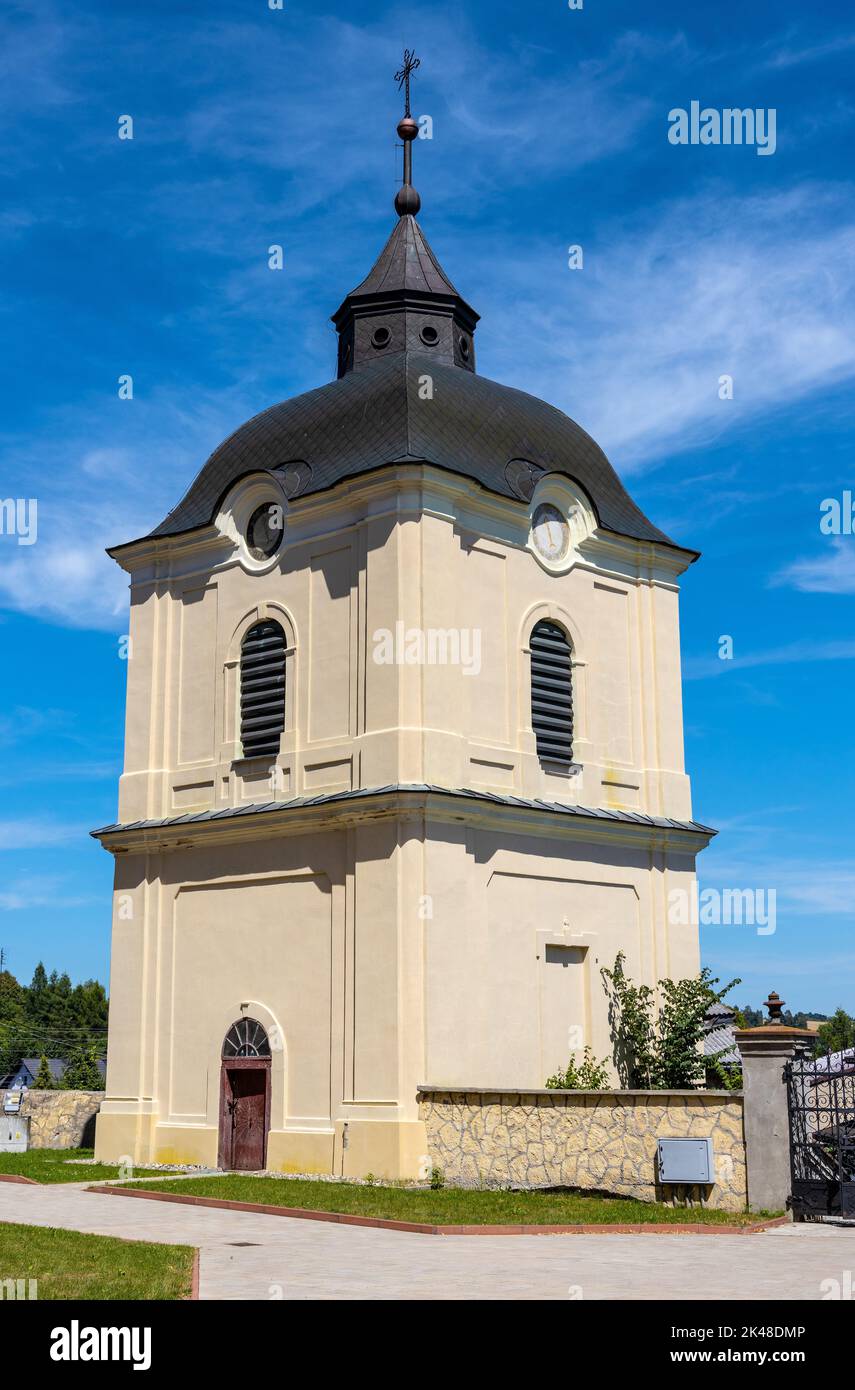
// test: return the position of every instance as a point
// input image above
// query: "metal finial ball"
(407, 201)
(408, 129)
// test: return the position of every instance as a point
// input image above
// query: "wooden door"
(244, 1114)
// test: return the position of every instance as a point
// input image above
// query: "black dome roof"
(376, 416)
(404, 322)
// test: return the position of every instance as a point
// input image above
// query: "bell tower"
(403, 755)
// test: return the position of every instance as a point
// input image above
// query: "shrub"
(589, 1076)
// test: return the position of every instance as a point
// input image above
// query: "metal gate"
(821, 1106)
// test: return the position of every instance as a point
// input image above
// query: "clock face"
(264, 531)
(550, 532)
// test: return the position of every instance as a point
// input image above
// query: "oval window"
(264, 531)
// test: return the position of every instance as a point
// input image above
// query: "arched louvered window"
(262, 689)
(246, 1038)
(552, 692)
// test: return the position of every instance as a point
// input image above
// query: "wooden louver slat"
(552, 692)
(262, 689)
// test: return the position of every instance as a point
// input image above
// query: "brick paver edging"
(421, 1228)
(17, 1177)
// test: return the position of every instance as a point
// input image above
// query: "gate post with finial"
(765, 1052)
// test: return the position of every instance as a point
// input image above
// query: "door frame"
(228, 1064)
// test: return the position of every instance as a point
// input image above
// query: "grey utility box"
(686, 1161)
(14, 1134)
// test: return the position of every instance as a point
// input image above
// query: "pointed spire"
(405, 263)
(407, 200)
(406, 304)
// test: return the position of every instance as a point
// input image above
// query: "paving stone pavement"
(245, 1256)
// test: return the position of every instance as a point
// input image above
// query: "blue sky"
(255, 126)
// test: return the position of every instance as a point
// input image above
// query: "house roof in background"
(56, 1065)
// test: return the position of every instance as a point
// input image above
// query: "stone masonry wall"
(61, 1119)
(598, 1140)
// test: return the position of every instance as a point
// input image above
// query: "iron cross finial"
(402, 77)
(407, 200)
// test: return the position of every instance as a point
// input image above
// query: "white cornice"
(420, 489)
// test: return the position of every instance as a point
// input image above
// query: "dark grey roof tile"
(497, 798)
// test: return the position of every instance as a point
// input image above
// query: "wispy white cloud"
(832, 572)
(793, 53)
(21, 721)
(112, 478)
(832, 971)
(35, 42)
(804, 887)
(703, 667)
(29, 891)
(36, 775)
(760, 288)
(37, 833)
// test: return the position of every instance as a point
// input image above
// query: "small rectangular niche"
(192, 794)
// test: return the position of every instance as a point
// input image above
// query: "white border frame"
(233, 518)
(557, 491)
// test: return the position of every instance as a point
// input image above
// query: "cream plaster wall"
(520, 929)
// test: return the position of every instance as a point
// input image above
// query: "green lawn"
(68, 1264)
(52, 1165)
(450, 1206)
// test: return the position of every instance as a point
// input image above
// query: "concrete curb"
(420, 1228)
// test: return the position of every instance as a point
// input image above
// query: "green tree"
(746, 1017)
(59, 1016)
(661, 1051)
(89, 1008)
(682, 1063)
(82, 1072)
(12, 1015)
(44, 1077)
(838, 1033)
